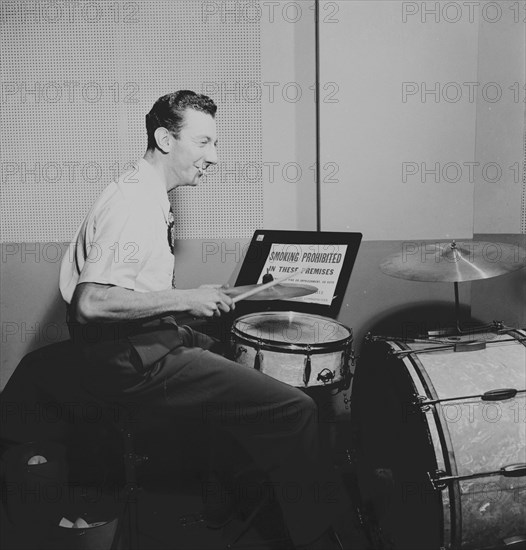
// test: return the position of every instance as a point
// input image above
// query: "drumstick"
(263, 287)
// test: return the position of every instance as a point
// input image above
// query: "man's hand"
(207, 301)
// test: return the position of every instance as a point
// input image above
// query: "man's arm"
(94, 302)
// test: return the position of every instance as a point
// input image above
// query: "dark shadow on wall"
(55, 322)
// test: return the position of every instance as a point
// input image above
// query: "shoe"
(217, 518)
(220, 503)
(329, 540)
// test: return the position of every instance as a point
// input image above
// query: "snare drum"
(296, 348)
(441, 441)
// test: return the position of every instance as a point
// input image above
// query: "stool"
(48, 375)
(128, 517)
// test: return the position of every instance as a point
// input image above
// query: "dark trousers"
(274, 422)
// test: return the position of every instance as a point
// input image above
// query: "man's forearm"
(99, 303)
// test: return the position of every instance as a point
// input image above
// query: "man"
(121, 313)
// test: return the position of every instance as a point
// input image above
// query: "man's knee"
(309, 406)
(300, 409)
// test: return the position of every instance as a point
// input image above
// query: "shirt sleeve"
(119, 247)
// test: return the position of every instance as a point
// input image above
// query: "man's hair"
(168, 112)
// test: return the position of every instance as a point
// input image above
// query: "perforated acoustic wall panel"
(78, 78)
(58, 119)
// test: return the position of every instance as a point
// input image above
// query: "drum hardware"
(433, 336)
(258, 360)
(240, 350)
(370, 338)
(491, 395)
(439, 479)
(326, 376)
(499, 325)
(495, 326)
(454, 262)
(469, 346)
(460, 346)
(308, 367)
(476, 345)
(500, 395)
(420, 403)
(348, 356)
(456, 347)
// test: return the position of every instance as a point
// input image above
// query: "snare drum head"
(290, 327)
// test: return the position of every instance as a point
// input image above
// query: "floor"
(174, 521)
(169, 510)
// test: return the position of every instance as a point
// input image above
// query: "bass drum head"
(393, 455)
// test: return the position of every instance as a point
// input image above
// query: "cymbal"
(451, 261)
(282, 291)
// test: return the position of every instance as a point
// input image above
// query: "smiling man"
(124, 244)
(122, 317)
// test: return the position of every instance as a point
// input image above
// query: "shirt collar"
(153, 177)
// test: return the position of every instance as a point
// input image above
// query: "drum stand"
(458, 330)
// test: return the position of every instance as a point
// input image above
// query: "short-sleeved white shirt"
(123, 240)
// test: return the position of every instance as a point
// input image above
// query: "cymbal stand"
(451, 331)
(457, 329)
(457, 310)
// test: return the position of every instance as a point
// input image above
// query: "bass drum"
(441, 441)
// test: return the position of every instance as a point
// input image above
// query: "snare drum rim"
(304, 349)
(289, 347)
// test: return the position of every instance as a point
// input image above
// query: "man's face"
(195, 148)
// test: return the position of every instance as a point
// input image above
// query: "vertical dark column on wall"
(317, 96)
(523, 202)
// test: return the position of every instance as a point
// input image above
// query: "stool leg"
(129, 514)
(133, 521)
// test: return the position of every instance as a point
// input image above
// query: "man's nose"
(211, 155)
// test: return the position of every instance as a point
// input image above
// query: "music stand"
(326, 257)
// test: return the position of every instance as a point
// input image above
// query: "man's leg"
(274, 422)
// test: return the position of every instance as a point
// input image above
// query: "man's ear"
(163, 138)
